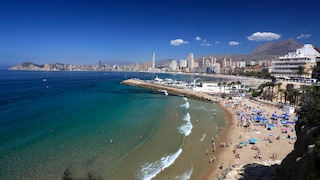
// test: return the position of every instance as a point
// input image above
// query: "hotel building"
(287, 66)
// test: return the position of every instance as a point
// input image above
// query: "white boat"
(158, 79)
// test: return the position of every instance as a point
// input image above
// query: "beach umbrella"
(253, 140)
(286, 115)
(286, 129)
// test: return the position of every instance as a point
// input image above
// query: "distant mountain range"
(280, 48)
(266, 51)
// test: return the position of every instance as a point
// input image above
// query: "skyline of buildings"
(284, 66)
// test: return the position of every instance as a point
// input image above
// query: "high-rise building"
(173, 65)
(153, 60)
(191, 61)
(183, 63)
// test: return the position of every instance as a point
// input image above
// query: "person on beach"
(221, 166)
(211, 160)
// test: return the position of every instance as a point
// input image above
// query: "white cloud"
(264, 36)
(198, 38)
(233, 43)
(178, 42)
(303, 36)
(217, 42)
(205, 44)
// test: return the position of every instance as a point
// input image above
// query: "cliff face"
(302, 162)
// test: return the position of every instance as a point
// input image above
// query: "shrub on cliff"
(310, 107)
(309, 114)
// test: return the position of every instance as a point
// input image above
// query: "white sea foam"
(203, 136)
(185, 105)
(186, 175)
(187, 117)
(150, 170)
(187, 127)
(186, 99)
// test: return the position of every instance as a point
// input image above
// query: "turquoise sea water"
(58, 125)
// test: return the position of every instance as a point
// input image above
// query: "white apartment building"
(287, 66)
(173, 65)
(183, 63)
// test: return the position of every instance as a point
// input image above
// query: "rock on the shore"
(257, 170)
(302, 162)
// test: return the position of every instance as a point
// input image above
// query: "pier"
(189, 93)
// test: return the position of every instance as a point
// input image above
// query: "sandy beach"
(267, 146)
(254, 134)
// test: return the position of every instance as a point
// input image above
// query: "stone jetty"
(189, 93)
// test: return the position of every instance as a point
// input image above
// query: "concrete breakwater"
(172, 90)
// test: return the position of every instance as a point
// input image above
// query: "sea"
(87, 125)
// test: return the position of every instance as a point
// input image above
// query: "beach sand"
(268, 141)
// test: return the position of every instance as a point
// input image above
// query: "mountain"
(277, 48)
(29, 66)
(266, 51)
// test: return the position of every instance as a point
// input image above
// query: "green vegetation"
(309, 114)
(310, 106)
(301, 71)
(260, 74)
(255, 93)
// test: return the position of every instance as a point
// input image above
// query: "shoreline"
(230, 159)
(234, 167)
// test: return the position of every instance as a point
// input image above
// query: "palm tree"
(229, 85)
(220, 84)
(289, 93)
(224, 84)
(238, 83)
(278, 86)
(301, 71)
(281, 91)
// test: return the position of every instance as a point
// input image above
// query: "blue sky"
(83, 32)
